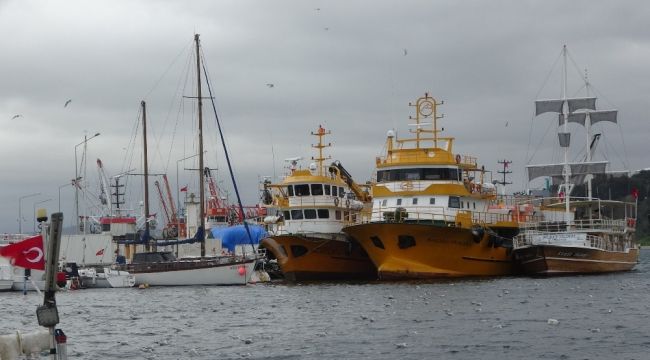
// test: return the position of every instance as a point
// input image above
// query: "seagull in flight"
(270, 85)
(405, 52)
(67, 103)
(16, 116)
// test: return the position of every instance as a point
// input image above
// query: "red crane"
(172, 226)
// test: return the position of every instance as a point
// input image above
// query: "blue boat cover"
(232, 236)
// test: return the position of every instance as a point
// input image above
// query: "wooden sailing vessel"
(313, 205)
(576, 235)
(162, 268)
(432, 213)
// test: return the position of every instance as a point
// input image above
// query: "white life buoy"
(336, 201)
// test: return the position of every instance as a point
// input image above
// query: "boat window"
(302, 190)
(405, 241)
(461, 204)
(383, 202)
(418, 174)
(341, 192)
(323, 214)
(474, 204)
(338, 215)
(310, 213)
(317, 189)
(432, 201)
(334, 191)
(454, 202)
(298, 250)
(296, 214)
(377, 242)
(346, 215)
(287, 215)
(415, 201)
(399, 202)
(327, 189)
(290, 190)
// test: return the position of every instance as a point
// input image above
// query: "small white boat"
(105, 277)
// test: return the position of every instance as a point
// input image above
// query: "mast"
(201, 176)
(146, 176)
(565, 143)
(590, 143)
(320, 133)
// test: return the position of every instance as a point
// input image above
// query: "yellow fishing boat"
(434, 213)
(312, 205)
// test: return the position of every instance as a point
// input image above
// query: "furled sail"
(543, 106)
(603, 115)
(594, 116)
(595, 167)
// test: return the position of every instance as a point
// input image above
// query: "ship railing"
(435, 214)
(602, 225)
(606, 243)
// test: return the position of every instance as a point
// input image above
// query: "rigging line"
(225, 150)
(179, 113)
(620, 126)
(167, 70)
(532, 118)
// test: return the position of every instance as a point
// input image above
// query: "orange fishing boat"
(434, 212)
(312, 206)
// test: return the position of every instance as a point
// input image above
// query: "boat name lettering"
(571, 254)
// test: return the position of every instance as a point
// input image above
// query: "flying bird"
(405, 52)
(270, 85)
(67, 103)
(16, 116)
(506, 124)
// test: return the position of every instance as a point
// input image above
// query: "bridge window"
(327, 189)
(383, 202)
(338, 214)
(454, 202)
(418, 174)
(323, 214)
(290, 190)
(302, 190)
(415, 201)
(334, 193)
(399, 202)
(341, 192)
(296, 214)
(432, 201)
(316, 189)
(310, 213)
(287, 215)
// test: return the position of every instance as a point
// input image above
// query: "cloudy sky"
(351, 66)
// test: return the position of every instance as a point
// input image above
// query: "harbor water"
(572, 317)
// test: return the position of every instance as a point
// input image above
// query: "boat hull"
(304, 258)
(170, 274)
(565, 260)
(421, 251)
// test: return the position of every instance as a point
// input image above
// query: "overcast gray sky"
(351, 66)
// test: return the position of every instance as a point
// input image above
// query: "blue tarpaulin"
(232, 236)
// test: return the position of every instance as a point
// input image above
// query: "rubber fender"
(477, 233)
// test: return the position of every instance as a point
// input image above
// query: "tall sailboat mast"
(146, 176)
(566, 135)
(201, 166)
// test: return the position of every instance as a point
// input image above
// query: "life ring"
(457, 158)
(347, 202)
(631, 222)
(336, 201)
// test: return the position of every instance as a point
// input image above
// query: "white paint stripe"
(590, 260)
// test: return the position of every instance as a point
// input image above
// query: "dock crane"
(172, 226)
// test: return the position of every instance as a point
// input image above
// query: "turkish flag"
(27, 254)
(100, 252)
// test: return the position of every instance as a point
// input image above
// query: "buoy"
(241, 270)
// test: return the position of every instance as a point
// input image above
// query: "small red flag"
(184, 188)
(100, 252)
(27, 253)
(635, 193)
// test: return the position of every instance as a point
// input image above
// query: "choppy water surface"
(599, 317)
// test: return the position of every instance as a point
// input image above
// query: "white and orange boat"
(576, 234)
(434, 212)
(312, 206)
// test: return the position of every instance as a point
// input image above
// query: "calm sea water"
(599, 317)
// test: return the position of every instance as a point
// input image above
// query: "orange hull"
(417, 251)
(561, 260)
(311, 258)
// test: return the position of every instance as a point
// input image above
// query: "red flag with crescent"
(27, 253)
